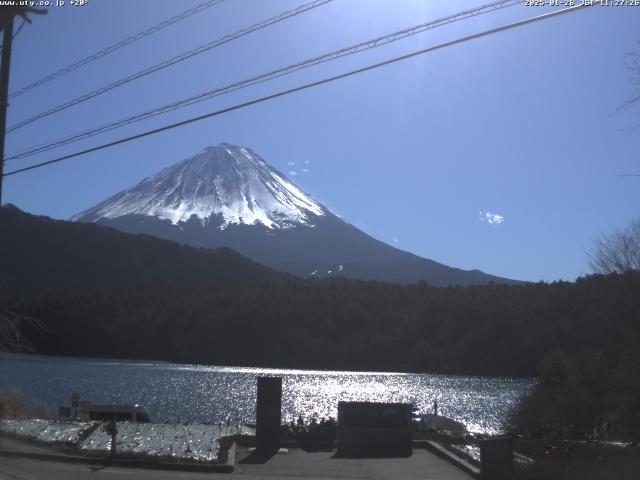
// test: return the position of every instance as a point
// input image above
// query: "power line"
(305, 87)
(172, 61)
(20, 28)
(116, 46)
(369, 44)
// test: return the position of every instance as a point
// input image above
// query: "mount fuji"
(227, 195)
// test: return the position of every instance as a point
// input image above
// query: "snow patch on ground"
(195, 442)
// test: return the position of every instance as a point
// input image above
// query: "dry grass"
(9, 406)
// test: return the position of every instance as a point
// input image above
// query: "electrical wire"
(15, 34)
(350, 73)
(354, 49)
(19, 28)
(172, 61)
(116, 46)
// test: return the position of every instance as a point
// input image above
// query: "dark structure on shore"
(375, 428)
(268, 414)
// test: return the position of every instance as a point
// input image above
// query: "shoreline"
(279, 370)
(533, 458)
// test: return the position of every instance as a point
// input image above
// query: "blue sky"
(522, 124)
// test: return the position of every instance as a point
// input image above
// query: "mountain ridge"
(58, 254)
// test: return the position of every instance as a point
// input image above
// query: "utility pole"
(7, 15)
(7, 38)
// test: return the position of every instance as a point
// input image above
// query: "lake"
(173, 392)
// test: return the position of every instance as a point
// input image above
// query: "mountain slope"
(229, 196)
(41, 253)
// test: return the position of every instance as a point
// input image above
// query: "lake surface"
(197, 393)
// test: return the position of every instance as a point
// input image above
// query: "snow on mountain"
(229, 180)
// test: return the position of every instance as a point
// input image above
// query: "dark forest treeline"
(485, 330)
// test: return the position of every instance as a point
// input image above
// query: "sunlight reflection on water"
(197, 393)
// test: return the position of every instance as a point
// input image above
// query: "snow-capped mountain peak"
(229, 180)
(245, 204)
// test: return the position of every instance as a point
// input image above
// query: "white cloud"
(307, 162)
(305, 170)
(293, 173)
(395, 240)
(491, 217)
(291, 164)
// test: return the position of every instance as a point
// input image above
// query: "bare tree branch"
(617, 252)
(11, 327)
(633, 65)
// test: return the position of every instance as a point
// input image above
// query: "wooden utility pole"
(7, 17)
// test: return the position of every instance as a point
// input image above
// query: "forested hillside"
(39, 253)
(487, 330)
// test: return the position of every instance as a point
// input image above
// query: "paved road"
(295, 464)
